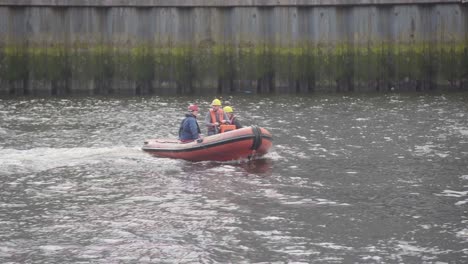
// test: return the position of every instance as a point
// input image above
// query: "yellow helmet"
(216, 102)
(227, 109)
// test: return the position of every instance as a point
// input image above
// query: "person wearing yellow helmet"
(215, 117)
(216, 102)
(232, 119)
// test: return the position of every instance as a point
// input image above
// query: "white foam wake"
(14, 161)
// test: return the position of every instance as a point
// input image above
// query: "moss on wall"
(343, 66)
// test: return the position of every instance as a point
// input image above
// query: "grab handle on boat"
(257, 141)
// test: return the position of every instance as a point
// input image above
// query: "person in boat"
(189, 129)
(232, 118)
(215, 117)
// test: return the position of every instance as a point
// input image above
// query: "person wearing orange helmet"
(189, 129)
(232, 118)
(215, 117)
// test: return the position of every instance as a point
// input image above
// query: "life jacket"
(232, 119)
(217, 116)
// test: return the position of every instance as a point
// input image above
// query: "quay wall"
(139, 47)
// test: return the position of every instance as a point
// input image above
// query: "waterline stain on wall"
(125, 50)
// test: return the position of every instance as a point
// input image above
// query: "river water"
(351, 178)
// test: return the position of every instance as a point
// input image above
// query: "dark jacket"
(235, 122)
(189, 129)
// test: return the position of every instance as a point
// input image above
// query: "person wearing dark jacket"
(232, 119)
(189, 129)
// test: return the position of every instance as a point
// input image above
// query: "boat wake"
(34, 160)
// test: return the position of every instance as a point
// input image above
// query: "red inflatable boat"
(243, 143)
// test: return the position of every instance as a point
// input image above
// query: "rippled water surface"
(350, 179)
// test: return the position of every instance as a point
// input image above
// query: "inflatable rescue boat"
(244, 143)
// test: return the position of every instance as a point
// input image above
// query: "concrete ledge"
(216, 3)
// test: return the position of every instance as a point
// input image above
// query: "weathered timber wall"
(132, 47)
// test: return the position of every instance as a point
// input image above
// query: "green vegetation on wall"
(345, 67)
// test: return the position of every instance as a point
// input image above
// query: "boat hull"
(244, 143)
